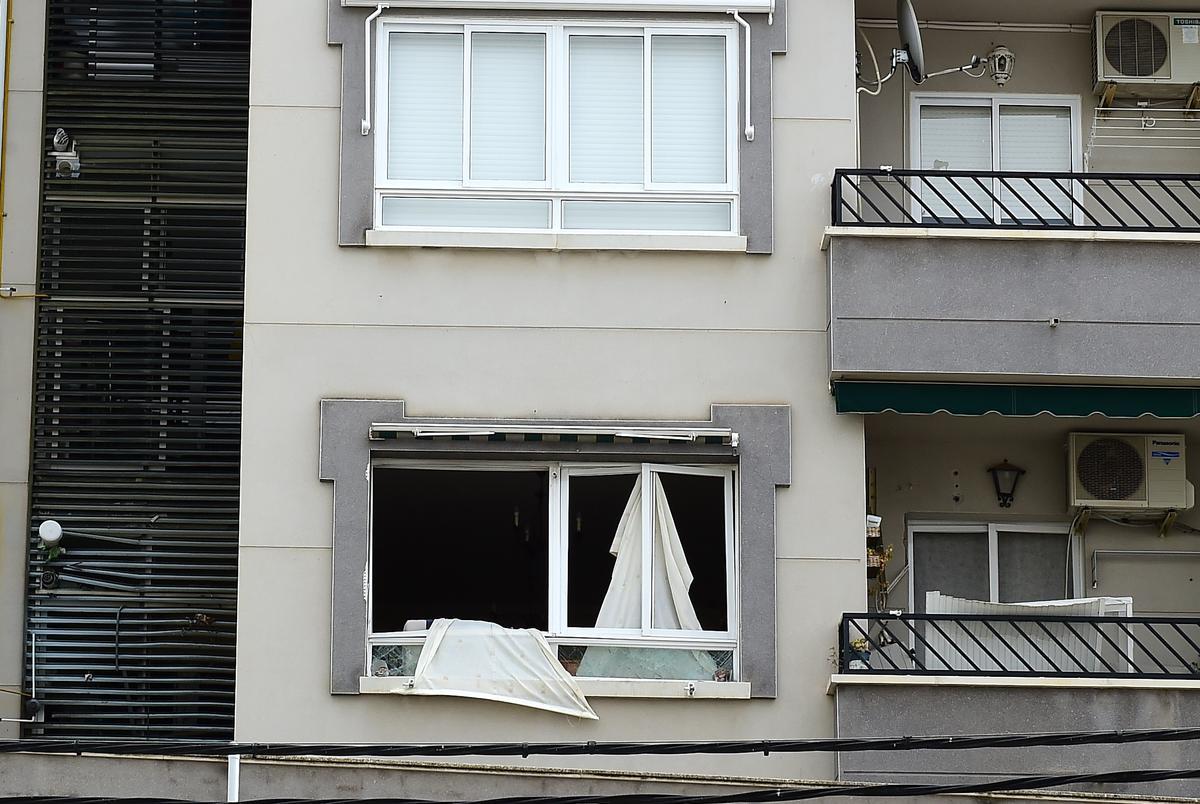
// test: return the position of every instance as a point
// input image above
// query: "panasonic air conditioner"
(1146, 55)
(1129, 472)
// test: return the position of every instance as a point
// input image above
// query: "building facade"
(609, 320)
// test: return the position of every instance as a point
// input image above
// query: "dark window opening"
(596, 503)
(464, 544)
(697, 505)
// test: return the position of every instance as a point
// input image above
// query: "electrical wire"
(592, 748)
(878, 84)
(1013, 783)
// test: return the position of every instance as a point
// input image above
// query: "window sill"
(600, 688)
(550, 241)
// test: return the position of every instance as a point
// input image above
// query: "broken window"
(600, 558)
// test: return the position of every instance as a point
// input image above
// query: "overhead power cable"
(1016, 783)
(592, 748)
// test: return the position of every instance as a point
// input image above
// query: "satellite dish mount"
(911, 54)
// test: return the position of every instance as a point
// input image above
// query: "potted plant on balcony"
(860, 654)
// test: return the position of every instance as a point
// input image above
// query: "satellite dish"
(910, 40)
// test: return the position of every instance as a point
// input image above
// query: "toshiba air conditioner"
(1129, 472)
(1146, 54)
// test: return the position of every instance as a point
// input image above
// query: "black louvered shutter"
(137, 397)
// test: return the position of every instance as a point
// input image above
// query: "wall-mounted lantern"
(1005, 476)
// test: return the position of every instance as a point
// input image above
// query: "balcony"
(1030, 646)
(1011, 279)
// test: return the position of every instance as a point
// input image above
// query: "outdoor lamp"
(1005, 477)
(1000, 61)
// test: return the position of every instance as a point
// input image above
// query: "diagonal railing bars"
(1147, 202)
(1040, 645)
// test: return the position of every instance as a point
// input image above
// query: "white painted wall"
(462, 333)
(19, 270)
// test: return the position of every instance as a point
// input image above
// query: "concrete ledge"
(856, 679)
(1075, 235)
(600, 688)
(550, 241)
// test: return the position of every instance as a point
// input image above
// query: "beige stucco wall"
(1058, 62)
(518, 333)
(19, 270)
(923, 462)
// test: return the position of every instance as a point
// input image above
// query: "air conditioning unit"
(1129, 472)
(1147, 55)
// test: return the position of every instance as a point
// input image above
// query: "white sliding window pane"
(508, 106)
(473, 213)
(606, 109)
(687, 75)
(660, 216)
(1036, 138)
(425, 106)
(956, 138)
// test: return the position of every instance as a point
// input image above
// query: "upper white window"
(987, 133)
(559, 127)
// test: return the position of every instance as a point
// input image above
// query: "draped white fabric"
(671, 606)
(472, 659)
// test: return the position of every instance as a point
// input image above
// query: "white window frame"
(557, 187)
(994, 101)
(993, 529)
(558, 632)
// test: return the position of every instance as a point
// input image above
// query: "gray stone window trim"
(764, 462)
(356, 185)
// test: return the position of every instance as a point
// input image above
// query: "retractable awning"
(969, 399)
(560, 433)
(685, 6)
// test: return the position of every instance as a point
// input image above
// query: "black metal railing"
(1149, 202)
(1029, 645)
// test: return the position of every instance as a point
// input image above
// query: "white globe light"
(50, 532)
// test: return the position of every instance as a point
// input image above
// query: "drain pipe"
(749, 132)
(233, 777)
(368, 100)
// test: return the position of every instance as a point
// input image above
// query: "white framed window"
(993, 562)
(991, 133)
(533, 127)
(630, 570)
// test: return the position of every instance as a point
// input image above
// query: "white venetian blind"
(425, 106)
(508, 106)
(956, 138)
(606, 134)
(1036, 138)
(688, 109)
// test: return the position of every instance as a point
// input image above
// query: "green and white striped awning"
(969, 399)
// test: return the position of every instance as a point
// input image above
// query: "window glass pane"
(483, 213)
(951, 563)
(394, 660)
(596, 504)
(508, 106)
(626, 662)
(688, 589)
(606, 132)
(1033, 566)
(425, 106)
(688, 109)
(649, 216)
(1035, 138)
(956, 138)
(467, 544)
